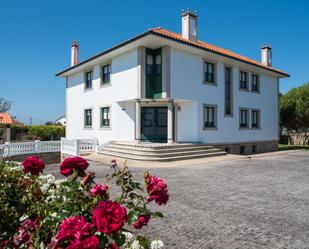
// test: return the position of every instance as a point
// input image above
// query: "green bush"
(46, 132)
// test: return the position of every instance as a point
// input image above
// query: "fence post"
(95, 142)
(37, 146)
(77, 147)
(8, 148)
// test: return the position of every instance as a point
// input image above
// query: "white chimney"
(266, 55)
(189, 25)
(74, 53)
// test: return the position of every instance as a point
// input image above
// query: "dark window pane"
(209, 72)
(105, 116)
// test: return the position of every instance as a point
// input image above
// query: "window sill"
(88, 90)
(210, 83)
(107, 84)
(244, 128)
(210, 128)
(244, 89)
(105, 128)
(228, 115)
(255, 92)
(88, 128)
(255, 128)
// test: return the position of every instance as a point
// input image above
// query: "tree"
(294, 111)
(5, 105)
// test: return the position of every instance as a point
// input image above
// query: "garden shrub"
(38, 211)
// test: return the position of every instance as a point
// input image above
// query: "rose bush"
(39, 211)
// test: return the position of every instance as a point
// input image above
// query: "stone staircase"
(159, 152)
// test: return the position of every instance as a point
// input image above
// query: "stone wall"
(48, 157)
(249, 147)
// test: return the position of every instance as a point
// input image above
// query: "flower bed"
(38, 211)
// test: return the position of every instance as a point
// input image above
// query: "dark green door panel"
(154, 124)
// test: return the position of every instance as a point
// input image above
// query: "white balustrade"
(76, 147)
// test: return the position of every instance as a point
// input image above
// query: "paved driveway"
(252, 203)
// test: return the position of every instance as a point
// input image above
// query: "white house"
(161, 86)
(60, 120)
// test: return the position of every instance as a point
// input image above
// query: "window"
(242, 150)
(88, 118)
(209, 72)
(243, 83)
(210, 116)
(105, 117)
(243, 118)
(228, 91)
(255, 118)
(255, 83)
(106, 74)
(253, 148)
(154, 73)
(88, 80)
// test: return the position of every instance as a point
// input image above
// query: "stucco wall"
(187, 83)
(124, 86)
(48, 157)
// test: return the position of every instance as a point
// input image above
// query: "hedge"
(41, 132)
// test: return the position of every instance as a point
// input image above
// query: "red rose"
(141, 221)
(157, 190)
(99, 189)
(33, 164)
(70, 164)
(109, 217)
(112, 246)
(89, 243)
(76, 231)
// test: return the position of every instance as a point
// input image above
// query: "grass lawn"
(293, 147)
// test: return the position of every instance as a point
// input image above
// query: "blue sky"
(35, 39)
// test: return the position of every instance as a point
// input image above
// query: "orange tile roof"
(5, 118)
(212, 48)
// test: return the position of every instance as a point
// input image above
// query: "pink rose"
(141, 221)
(157, 190)
(70, 164)
(112, 246)
(99, 189)
(109, 217)
(33, 164)
(77, 233)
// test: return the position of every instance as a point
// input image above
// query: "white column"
(137, 122)
(170, 122)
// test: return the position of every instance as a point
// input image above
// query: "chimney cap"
(188, 12)
(266, 45)
(75, 43)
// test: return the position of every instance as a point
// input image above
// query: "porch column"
(170, 122)
(137, 121)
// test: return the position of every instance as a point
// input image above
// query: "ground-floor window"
(210, 116)
(88, 118)
(105, 117)
(243, 118)
(255, 119)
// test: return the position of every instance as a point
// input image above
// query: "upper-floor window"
(88, 118)
(154, 73)
(210, 116)
(243, 81)
(105, 117)
(209, 72)
(106, 74)
(243, 118)
(255, 83)
(88, 80)
(255, 119)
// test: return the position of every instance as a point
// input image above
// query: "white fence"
(13, 149)
(76, 147)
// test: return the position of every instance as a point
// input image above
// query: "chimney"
(74, 53)
(266, 55)
(189, 25)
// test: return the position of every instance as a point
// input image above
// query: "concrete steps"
(159, 152)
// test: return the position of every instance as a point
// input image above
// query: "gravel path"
(252, 203)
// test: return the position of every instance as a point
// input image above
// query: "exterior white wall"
(123, 87)
(187, 83)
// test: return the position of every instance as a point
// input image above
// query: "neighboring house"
(60, 120)
(5, 124)
(161, 86)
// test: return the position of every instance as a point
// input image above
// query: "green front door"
(154, 124)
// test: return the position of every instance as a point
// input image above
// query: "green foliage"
(41, 132)
(294, 109)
